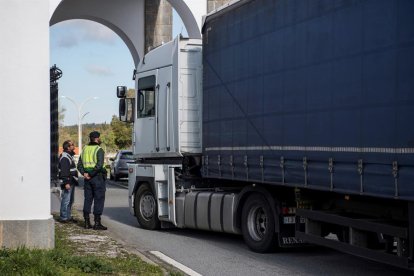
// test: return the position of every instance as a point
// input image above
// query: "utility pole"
(80, 117)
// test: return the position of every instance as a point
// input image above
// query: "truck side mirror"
(121, 91)
(122, 109)
(126, 110)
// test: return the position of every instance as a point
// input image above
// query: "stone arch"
(125, 38)
(126, 18)
(189, 11)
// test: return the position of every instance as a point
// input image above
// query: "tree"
(130, 93)
(122, 133)
(114, 136)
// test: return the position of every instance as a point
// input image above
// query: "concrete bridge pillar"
(158, 23)
(215, 4)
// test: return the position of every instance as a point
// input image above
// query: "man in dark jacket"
(67, 176)
(91, 166)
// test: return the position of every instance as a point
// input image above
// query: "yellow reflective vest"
(89, 156)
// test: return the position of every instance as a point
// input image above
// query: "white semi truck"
(280, 127)
(166, 187)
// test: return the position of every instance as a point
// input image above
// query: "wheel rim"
(147, 206)
(257, 223)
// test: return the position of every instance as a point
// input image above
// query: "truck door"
(145, 123)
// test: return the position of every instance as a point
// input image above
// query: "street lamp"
(80, 117)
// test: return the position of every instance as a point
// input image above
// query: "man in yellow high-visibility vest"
(91, 166)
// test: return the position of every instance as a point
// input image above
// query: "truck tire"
(145, 206)
(258, 224)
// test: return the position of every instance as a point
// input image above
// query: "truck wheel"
(258, 224)
(145, 206)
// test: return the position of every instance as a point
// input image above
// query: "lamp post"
(80, 117)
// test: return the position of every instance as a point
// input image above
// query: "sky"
(94, 61)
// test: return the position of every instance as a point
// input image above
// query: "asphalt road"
(211, 253)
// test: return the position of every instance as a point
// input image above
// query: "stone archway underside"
(126, 18)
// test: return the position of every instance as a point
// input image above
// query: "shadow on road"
(121, 214)
(117, 184)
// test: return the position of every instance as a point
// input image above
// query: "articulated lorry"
(290, 122)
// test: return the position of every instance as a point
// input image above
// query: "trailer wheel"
(145, 206)
(258, 224)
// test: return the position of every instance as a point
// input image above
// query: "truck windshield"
(146, 97)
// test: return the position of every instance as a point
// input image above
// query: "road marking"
(174, 263)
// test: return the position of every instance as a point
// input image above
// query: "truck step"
(163, 218)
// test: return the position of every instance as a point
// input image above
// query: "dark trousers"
(94, 192)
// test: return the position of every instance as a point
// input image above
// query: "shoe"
(73, 220)
(64, 220)
(87, 223)
(98, 225)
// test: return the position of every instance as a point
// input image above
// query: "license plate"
(292, 220)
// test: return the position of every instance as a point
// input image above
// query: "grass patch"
(72, 257)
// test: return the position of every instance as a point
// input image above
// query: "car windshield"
(127, 155)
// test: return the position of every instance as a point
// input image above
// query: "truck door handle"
(157, 142)
(168, 115)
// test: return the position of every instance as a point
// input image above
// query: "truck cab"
(168, 101)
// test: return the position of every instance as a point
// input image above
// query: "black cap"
(94, 134)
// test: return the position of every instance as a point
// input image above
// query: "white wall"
(24, 110)
(25, 107)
